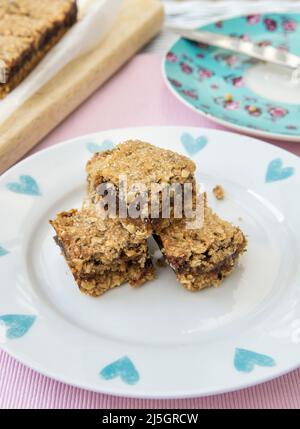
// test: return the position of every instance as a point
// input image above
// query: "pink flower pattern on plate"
(278, 112)
(186, 68)
(253, 110)
(291, 127)
(271, 24)
(171, 57)
(205, 73)
(231, 105)
(190, 93)
(289, 25)
(245, 37)
(175, 83)
(238, 81)
(253, 19)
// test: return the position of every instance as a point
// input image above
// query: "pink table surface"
(136, 96)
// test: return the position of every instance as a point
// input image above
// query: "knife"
(268, 54)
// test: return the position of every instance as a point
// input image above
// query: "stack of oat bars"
(105, 250)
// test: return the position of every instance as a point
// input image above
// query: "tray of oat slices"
(53, 55)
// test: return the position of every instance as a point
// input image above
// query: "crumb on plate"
(219, 192)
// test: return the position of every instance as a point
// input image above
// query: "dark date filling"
(182, 266)
(90, 276)
(61, 246)
(94, 273)
(147, 267)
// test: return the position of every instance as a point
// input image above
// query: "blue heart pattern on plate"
(95, 147)
(17, 325)
(3, 251)
(192, 144)
(26, 185)
(123, 368)
(245, 360)
(276, 171)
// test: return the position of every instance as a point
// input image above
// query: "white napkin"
(95, 19)
(197, 12)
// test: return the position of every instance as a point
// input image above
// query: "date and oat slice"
(202, 257)
(28, 30)
(102, 253)
(140, 162)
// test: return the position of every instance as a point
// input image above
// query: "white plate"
(176, 343)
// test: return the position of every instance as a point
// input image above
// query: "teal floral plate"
(236, 90)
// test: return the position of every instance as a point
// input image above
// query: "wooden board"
(137, 23)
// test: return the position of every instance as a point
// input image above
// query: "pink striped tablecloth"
(136, 96)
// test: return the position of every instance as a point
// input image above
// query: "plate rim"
(182, 127)
(118, 391)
